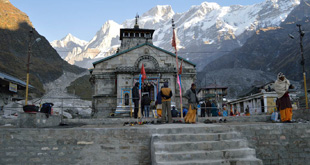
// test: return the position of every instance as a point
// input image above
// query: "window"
(147, 35)
(126, 99)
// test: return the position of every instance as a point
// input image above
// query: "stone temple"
(113, 77)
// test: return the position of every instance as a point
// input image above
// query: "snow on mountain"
(152, 18)
(68, 40)
(68, 45)
(104, 37)
(207, 27)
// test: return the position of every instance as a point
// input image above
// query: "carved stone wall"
(117, 74)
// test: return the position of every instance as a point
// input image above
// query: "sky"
(54, 19)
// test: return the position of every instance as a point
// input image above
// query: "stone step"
(205, 155)
(200, 146)
(195, 137)
(190, 128)
(246, 161)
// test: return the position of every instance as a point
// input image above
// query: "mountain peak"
(211, 5)
(160, 11)
(68, 39)
(69, 36)
(109, 23)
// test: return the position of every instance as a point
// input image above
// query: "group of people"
(209, 108)
(145, 102)
(163, 102)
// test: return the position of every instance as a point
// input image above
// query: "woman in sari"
(284, 105)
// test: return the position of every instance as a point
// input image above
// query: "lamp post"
(28, 61)
(301, 35)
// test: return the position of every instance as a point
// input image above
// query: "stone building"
(113, 77)
(213, 92)
(260, 100)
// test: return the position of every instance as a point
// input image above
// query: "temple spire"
(136, 25)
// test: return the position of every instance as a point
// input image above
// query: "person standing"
(281, 86)
(191, 96)
(166, 95)
(247, 110)
(159, 103)
(207, 107)
(146, 102)
(136, 98)
(214, 109)
(203, 108)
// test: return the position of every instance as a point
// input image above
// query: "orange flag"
(180, 70)
(143, 73)
(174, 44)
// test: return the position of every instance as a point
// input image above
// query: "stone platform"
(242, 140)
(274, 143)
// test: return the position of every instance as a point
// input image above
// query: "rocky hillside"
(269, 50)
(46, 64)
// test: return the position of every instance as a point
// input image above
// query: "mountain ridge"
(207, 27)
(269, 50)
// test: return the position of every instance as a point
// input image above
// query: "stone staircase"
(216, 145)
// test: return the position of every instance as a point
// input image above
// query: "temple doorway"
(150, 87)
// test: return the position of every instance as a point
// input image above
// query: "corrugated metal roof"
(14, 80)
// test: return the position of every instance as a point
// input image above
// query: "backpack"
(47, 109)
(30, 108)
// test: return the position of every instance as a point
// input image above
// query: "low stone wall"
(4, 121)
(37, 120)
(279, 143)
(274, 143)
(301, 114)
(75, 145)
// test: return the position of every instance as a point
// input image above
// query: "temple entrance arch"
(149, 62)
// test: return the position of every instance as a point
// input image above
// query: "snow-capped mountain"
(105, 40)
(205, 31)
(68, 45)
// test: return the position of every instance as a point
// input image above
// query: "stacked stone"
(280, 143)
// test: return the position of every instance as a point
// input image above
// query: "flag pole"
(139, 112)
(142, 77)
(174, 44)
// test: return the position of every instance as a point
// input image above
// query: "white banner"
(13, 87)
